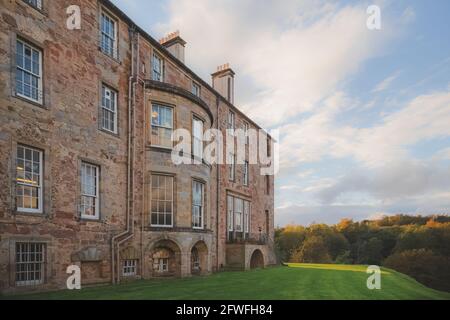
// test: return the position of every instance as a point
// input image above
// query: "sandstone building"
(86, 176)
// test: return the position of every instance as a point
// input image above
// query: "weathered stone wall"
(66, 128)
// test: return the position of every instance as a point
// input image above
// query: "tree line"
(418, 246)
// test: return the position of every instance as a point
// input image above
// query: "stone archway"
(199, 258)
(165, 259)
(257, 260)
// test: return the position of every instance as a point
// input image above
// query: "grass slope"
(298, 281)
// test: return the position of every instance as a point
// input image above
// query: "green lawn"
(298, 281)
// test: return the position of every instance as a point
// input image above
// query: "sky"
(363, 115)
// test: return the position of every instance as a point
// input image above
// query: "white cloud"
(305, 174)
(385, 84)
(424, 118)
(443, 154)
(295, 53)
(403, 180)
(294, 60)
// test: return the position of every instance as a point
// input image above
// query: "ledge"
(176, 229)
(170, 88)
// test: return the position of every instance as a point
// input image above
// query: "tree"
(287, 240)
(424, 265)
(313, 250)
(370, 252)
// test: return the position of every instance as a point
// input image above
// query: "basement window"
(162, 265)
(129, 268)
(28, 71)
(30, 264)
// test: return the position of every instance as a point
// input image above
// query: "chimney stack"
(223, 81)
(175, 44)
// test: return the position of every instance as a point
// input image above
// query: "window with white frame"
(238, 213)
(157, 68)
(108, 35)
(30, 263)
(35, 3)
(162, 265)
(230, 210)
(195, 260)
(197, 138)
(29, 178)
(28, 71)
(246, 216)
(247, 138)
(231, 166)
(162, 201)
(109, 109)
(89, 206)
(196, 89)
(230, 120)
(246, 173)
(162, 126)
(197, 204)
(129, 268)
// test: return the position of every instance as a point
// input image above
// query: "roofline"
(179, 63)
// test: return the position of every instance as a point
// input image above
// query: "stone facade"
(65, 126)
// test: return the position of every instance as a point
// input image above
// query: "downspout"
(131, 95)
(130, 232)
(137, 80)
(144, 172)
(218, 191)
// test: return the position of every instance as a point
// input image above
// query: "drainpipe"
(130, 192)
(144, 171)
(137, 80)
(218, 191)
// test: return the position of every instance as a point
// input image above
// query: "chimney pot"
(174, 44)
